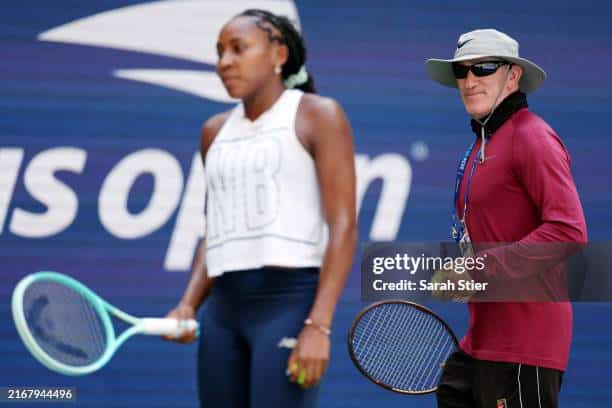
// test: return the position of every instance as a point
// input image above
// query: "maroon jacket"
(524, 193)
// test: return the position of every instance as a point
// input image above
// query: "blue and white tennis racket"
(68, 328)
(401, 346)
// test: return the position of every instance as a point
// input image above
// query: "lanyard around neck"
(460, 173)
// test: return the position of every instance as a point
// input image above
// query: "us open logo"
(185, 30)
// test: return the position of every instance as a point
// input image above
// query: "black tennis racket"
(401, 346)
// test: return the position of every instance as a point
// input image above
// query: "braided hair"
(290, 37)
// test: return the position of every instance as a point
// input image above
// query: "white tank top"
(263, 204)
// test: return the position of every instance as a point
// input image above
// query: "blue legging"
(247, 314)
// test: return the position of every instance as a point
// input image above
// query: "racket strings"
(393, 372)
(375, 358)
(63, 323)
(439, 352)
(435, 345)
(402, 347)
(416, 326)
(418, 356)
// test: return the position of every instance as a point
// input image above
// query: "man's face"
(479, 93)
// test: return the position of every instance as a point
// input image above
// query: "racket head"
(63, 324)
(401, 346)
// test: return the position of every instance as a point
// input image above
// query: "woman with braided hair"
(281, 223)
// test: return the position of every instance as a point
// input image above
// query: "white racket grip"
(171, 327)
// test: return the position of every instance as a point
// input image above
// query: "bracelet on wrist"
(323, 329)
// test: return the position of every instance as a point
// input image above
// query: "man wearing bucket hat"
(514, 185)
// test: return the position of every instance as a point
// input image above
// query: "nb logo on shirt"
(244, 195)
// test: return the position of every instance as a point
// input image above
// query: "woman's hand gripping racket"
(401, 346)
(68, 328)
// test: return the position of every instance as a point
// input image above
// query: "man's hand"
(446, 284)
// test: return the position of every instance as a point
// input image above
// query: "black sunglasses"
(480, 69)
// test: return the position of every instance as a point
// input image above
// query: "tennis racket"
(68, 328)
(401, 346)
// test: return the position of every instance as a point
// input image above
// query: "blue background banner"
(101, 103)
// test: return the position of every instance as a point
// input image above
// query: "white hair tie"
(294, 80)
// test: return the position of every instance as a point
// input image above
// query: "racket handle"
(171, 327)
